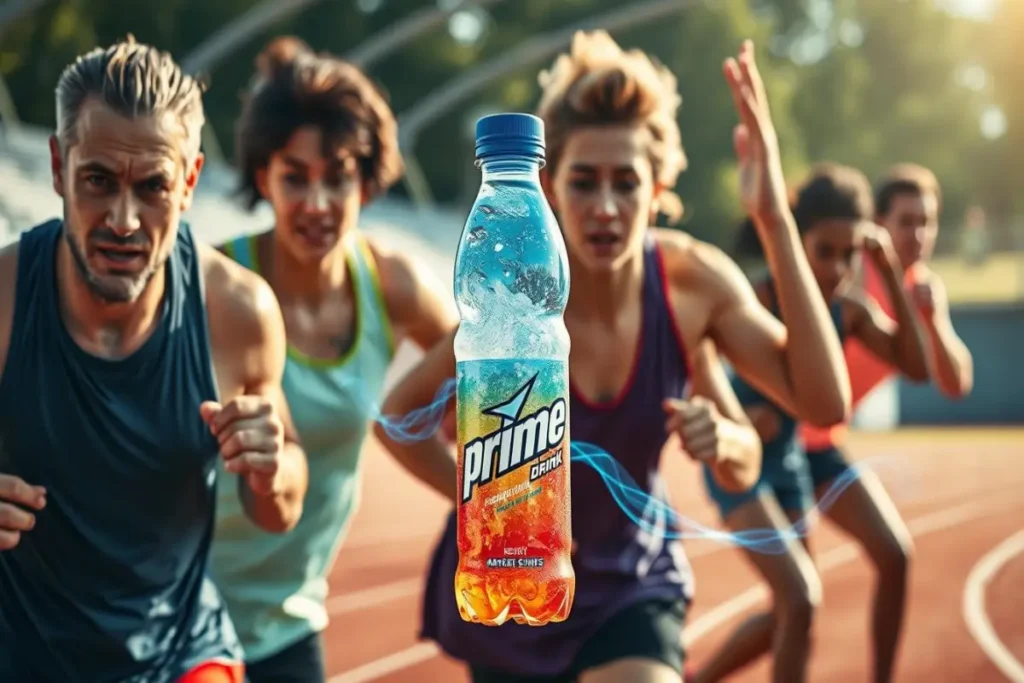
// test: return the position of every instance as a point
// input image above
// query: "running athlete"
(833, 213)
(907, 206)
(316, 141)
(648, 310)
(134, 361)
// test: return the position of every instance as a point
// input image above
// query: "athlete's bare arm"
(799, 366)
(737, 465)
(899, 343)
(253, 424)
(8, 288)
(17, 497)
(952, 366)
(429, 460)
(419, 307)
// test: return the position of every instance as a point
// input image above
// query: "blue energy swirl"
(652, 515)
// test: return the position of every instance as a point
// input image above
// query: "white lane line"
(389, 664)
(974, 611)
(370, 597)
(366, 598)
(920, 526)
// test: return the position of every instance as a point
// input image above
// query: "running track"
(959, 489)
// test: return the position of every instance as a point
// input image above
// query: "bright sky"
(978, 9)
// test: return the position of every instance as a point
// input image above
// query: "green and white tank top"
(275, 585)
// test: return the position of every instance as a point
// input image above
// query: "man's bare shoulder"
(242, 309)
(8, 289)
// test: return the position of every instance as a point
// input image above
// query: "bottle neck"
(508, 167)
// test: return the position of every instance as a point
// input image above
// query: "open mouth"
(604, 243)
(121, 256)
(316, 237)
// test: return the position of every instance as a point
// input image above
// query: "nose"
(316, 199)
(124, 218)
(606, 209)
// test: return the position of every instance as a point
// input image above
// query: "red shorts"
(215, 672)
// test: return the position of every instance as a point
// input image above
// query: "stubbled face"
(125, 184)
(830, 246)
(603, 190)
(913, 225)
(316, 197)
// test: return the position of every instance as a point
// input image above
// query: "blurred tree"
(856, 81)
(874, 91)
(1002, 158)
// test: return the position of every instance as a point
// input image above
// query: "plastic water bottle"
(512, 353)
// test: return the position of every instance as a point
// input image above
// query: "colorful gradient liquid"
(514, 525)
(512, 354)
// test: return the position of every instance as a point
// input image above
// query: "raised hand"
(878, 247)
(762, 184)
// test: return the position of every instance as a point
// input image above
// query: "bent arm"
(901, 344)
(8, 288)
(739, 464)
(430, 459)
(248, 334)
(952, 362)
(800, 366)
(890, 341)
(280, 511)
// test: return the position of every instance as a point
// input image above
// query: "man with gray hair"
(135, 363)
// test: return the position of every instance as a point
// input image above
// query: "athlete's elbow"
(835, 406)
(958, 389)
(278, 515)
(829, 412)
(917, 373)
(915, 367)
(284, 522)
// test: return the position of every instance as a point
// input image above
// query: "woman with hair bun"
(317, 141)
(647, 310)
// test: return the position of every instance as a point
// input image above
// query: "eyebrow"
(292, 161)
(589, 168)
(95, 167)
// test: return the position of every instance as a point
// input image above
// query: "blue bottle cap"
(517, 134)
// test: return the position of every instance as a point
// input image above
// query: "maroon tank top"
(617, 563)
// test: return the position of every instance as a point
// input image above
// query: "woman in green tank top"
(317, 141)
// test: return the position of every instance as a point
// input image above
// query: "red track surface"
(959, 490)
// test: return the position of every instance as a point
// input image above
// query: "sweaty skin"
(125, 183)
(247, 340)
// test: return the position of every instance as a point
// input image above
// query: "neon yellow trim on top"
(312, 361)
(371, 265)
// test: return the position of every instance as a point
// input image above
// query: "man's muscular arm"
(17, 498)
(8, 287)
(253, 425)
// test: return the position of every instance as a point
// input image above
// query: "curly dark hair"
(833, 191)
(296, 87)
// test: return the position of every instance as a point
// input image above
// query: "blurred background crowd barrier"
(864, 82)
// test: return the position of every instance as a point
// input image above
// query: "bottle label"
(513, 434)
